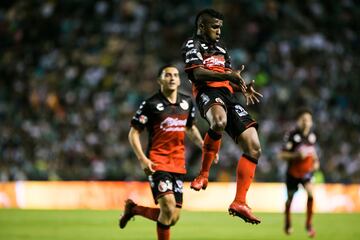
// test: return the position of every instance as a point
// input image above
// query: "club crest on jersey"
(143, 119)
(164, 186)
(297, 138)
(312, 138)
(160, 106)
(184, 105)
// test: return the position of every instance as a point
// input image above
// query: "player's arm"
(194, 134)
(135, 142)
(289, 156)
(202, 74)
(316, 162)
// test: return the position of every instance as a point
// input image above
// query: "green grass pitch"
(102, 225)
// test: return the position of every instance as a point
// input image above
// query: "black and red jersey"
(166, 124)
(295, 141)
(197, 52)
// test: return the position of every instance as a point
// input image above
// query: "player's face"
(211, 29)
(305, 121)
(169, 79)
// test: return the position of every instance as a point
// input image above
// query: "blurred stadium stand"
(72, 74)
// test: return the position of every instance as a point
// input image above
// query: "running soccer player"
(300, 154)
(207, 63)
(167, 115)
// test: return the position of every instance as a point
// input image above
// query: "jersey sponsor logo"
(204, 98)
(173, 124)
(214, 61)
(240, 111)
(164, 186)
(192, 51)
(160, 106)
(184, 105)
(191, 59)
(143, 119)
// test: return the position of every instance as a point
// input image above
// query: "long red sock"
(147, 212)
(244, 173)
(309, 210)
(163, 231)
(212, 142)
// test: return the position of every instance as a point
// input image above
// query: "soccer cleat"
(127, 214)
(200, 182)
(288, 229)
(243, 211)
(310, 231)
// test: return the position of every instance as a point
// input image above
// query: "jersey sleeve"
(191, 55)
(227, 61)
(191, 119)
(141, 118)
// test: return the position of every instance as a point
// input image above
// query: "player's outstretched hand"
(251, 95)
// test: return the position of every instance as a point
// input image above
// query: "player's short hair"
(161, 69)
(209, 12)
(302, 111)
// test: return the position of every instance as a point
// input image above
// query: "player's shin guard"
(147, 212)
(245, 173)
(212, 142)
(309, 211)
(163, 231)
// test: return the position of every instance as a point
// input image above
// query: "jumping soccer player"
(207, 64)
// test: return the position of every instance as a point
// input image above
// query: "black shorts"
(238, 119)
(292, 183)
(163, 183)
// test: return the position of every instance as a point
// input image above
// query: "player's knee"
(256, 152)
(219, 125)
(168, 212)
(175, 220)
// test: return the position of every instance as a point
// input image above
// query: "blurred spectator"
(73, 72)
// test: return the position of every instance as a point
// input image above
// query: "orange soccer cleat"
(243, 211)
(200, 182)
(127, 214)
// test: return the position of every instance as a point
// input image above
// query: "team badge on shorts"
(164, 186)
(219, 100)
